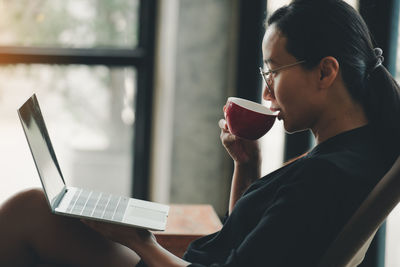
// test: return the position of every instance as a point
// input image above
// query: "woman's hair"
(318, 28)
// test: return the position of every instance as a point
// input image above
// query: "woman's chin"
(290, 128)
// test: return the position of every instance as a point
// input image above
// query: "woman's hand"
(141, 241)
(128, 236)
(242, 151)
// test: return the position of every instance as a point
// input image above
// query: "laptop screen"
(41, 149)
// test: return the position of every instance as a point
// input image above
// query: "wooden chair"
(350, 246)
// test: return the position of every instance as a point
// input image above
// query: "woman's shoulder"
(316, 170)
(349, 168)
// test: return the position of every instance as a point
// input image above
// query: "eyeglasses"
(268, 75)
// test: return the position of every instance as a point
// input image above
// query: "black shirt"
(289, 217)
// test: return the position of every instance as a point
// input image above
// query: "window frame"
(140, 57)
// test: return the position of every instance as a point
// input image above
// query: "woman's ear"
(329, 70)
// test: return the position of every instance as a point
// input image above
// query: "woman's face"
(293, 88)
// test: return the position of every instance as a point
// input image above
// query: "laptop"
(78, 202)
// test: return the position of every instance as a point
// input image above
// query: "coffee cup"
(248, 119)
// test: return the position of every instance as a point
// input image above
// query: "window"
(72, 23)
(90, 64)
(272, 144)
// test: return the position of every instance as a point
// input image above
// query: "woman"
(321, 73)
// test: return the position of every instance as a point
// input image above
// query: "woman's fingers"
(227, 138)
(223, 125)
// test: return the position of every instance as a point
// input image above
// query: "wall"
(196, 48)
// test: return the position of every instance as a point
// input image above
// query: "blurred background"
(132, 91)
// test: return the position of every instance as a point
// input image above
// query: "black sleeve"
(296, 228)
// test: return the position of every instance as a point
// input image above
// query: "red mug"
(248, 119)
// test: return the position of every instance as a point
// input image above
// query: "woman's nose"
(267, 94)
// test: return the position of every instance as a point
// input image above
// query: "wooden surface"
(185, 224)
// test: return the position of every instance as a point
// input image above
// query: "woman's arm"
(244, 174)
(155, 255)
(141, 241)
(247, 159)
(247, 162)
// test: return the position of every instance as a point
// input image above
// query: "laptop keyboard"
(98, 205)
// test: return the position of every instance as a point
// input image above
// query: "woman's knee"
(17, 215)
(24, 203)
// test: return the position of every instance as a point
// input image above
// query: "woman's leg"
(31, 234)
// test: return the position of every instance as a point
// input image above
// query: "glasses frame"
(266, 75)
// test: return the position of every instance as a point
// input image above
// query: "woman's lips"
(276, 110)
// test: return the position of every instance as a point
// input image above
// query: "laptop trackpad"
(146, 213)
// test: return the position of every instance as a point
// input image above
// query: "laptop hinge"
(57, 201)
